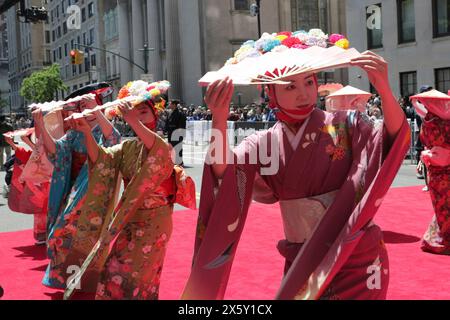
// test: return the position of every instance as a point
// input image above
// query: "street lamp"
(146, 50)
(255, 10)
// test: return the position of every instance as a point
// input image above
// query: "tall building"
(177, 40)
(111, 43)
(412, 35)
(188, 38)
(26, 52)
(4, 83)
(87, 37)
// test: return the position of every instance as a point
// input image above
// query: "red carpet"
(257, 271)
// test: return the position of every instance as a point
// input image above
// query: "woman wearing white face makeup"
(334, 170)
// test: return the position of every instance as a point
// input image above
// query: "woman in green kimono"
(142, 222)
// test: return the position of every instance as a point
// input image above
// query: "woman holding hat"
(142, 222)
(328, 171)
(68, 188)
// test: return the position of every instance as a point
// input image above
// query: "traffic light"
(76, 56)
(254, 10)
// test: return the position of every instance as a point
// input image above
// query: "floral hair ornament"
(140, 91)
(135, 93)
(276, 56)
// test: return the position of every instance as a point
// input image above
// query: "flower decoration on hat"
(281, 41)
(145, 92)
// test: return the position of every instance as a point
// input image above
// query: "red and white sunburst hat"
(433, 101)
(348, 98)
(277, 56)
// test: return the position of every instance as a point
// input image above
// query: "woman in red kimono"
(328, 171)
(435, 136)
(25, 197)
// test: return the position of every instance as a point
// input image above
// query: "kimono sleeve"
(155, 168)
(64, 147)
(103, 173)
(112, 140)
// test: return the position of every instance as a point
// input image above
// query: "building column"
(137, 22)
(153, 31)
(124, 41)
(173, 52)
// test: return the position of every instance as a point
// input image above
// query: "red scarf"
(285, 116)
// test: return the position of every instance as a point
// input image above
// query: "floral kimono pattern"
(68, 189)
(139, 227)
(435, 132)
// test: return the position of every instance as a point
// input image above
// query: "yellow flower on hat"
(281, 37)
(343, 43)
(155, 92)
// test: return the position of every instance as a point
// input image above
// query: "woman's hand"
(377, 71)
(79, 123)
(38, 117)
(88, 102)
(129, 114)
(218, 98)
(376, 68)
(437, 156)
(42, 132)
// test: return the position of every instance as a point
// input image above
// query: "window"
(406, 21)
(441, 18)
(442, 79)
(91, 36)
(408, 83)
(374, 27)
(107, 21)
(47, 36)
(242, 5)
(87, 65)
(83, 15)
(93, 60)
(108, 67)
(90, 9)
(65, 27)
(66, 49)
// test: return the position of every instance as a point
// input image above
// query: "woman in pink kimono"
(328, 171)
